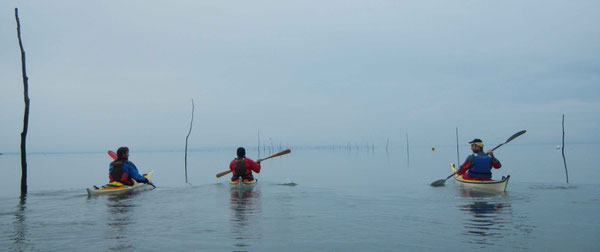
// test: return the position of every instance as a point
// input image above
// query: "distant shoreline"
(305, 147)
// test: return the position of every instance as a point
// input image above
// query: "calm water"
(309, 200)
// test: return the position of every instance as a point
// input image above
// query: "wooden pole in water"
(387, 145)
(26, 115)
(563, 148)
(186, 141)
(457, 154)
(407, 153)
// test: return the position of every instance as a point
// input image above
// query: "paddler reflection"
(487, 221)
(245, 205)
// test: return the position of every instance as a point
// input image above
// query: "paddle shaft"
(221, 174)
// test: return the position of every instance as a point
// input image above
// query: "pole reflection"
(21, 232)
(120, 217)
(245, 205)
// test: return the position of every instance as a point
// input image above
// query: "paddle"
(114, 156)
(442, 181)
(221, 174)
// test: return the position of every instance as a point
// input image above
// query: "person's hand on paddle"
(491, 153)
(258, 161)
(150, 183)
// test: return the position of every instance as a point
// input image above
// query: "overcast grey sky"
(109, 73)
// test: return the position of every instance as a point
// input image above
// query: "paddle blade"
(277, 154)
(515, 135)
(221, 174)
(113, 155)
(438, 183)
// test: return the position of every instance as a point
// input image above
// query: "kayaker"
(243, 167)
(122, 170)
(478, 166)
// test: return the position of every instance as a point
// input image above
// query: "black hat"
(476, 140)
(241, 152)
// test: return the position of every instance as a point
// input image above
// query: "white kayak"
(118, 188)
(486, 185)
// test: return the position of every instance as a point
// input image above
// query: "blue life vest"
(482, 168)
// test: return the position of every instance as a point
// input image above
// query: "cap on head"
(241, 152)
(121, 152)
(477, 142)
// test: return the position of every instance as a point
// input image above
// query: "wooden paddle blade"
(277, 154)
(113, 155)
(221, 174)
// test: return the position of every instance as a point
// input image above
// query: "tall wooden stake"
(26, 115)
(186, 141)
(563, 148)
(457, 153)
(407, 153)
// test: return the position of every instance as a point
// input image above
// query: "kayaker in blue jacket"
(122, 170)
(478, 166)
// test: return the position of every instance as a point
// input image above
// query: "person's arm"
(255, 166)
(495, 162)
(133, 173)
(466, 165)
(232, 166)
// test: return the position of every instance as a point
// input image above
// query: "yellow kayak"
(116, 187)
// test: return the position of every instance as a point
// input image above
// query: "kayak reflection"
(245, 206)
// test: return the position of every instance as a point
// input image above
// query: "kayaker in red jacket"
(478, 166)
(243, 166)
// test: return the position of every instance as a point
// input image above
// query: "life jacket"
(118, 173)
(240, 167)
(482, 167)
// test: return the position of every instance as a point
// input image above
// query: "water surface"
(309, 200)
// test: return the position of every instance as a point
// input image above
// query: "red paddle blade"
(113, 155)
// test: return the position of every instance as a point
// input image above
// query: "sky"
(104, 74)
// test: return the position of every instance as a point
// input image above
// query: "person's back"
(122, 170)
(478, 166)
(243, 167)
